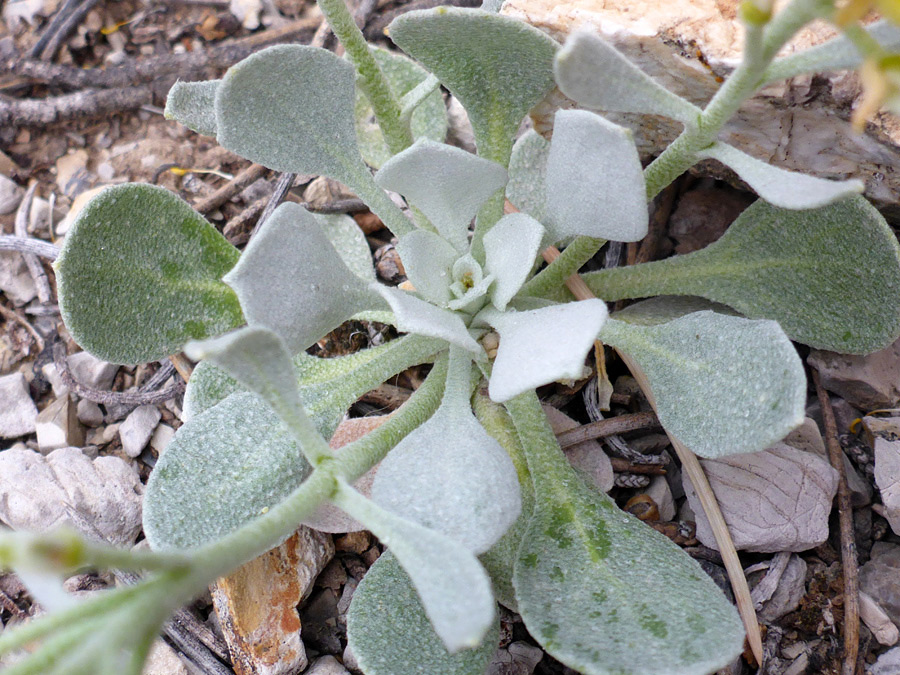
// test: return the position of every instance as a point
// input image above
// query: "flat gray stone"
(89, 413)
(887, 664)
(57, 426)
(326, 665)
(15, 280)
(518, 658)
(866, 382)
(880, 578)
(10, 195)
(137, 429)
(91, 371)
(17, 411)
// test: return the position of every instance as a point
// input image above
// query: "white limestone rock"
(91, 371)
(17, 411)
(57, 426)
(326, 665)
(10, 195)
(137, 429)
(15, 280)
(163, 660)
(885, 437)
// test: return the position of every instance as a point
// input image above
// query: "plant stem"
(371, 80)
(568, 263)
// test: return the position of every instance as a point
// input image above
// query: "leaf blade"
(193, 105)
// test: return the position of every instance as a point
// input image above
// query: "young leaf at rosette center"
(800, 268)
(428, 260)
(540, 346)
(349, 242)
(787, 189)
(526, 189)
(292, 281)
(429, 119)
(222, 469)
(290, 108)
(723, 384)
(497, 67)
(600, 590)
(448, 184)
(453, 587)
(193, 105)
(510, 248)
(592, 72)
(449, 475)
(140, 274)
(595, 183)
(390, 634)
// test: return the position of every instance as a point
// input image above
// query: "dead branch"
(35, 267)
(37, 247)
(87, 103)
(231, 188)
(607, 427)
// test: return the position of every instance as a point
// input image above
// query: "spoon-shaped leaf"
(800, 268)
(498, 68)
(292, 281)
(193, 104)
(387, 624)
(600, 590)
(140, 274)
(222, 469)
(526, 189)
(448, 184)
(449, 475)
(350, 243)
(510, 248)
(592, 72)
(724, 384)
(453, 587)
(428, 260)
(540, 346)
(595, 183)
(787, 189)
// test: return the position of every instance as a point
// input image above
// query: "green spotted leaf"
(193, 104)
(498, 68)
(390, 634)
(803, 269)
(526, 189)
(140, 274)
(600, 590)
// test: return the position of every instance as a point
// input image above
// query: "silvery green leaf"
(349, 242)
(327, 387)
(478, 54)
(292, 281)
(665, 308)
(836, 54)
(449, 475)
(428, 260)
(140, 274)
(526, 189)
(723, 384)
(800, 268)
(222, 469)
(446, 183)
(540, 346)
(596, 75)
(46, 587)
(193, 104)
(510, 248)
(601, 591)
(787, 189)
(595, 183)
(429, 119)
(417, 316)
(453, 587)
(389, 632)
(290, 108)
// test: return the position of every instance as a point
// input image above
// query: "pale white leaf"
(428, 260)
(453, 586)
(527, 174)
(594, 73)
(595, 183)
(448, 184)
(292, 281)
(193, 104)
(46, 587)
(787, 189)
(510, 248)
(540, 346)
(349, 242)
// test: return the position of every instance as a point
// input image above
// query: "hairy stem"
(568, 263)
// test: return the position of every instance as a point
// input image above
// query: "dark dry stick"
(86, 103)
(32, 262)
(620, 465)
(12, 315)
(284, 183)
(849, 559)
(66, 27)
(231, 188)
(608, 427)
(386, 396)
(55, 23)
(665, 201)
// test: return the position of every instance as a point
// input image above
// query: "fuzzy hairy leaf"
(510, 249)
(592, 72)
(448, 184)
(600, 590)
(428, 260)
(498, 68)
(193, 105)
(220, 471)
(140, 274)
(349, 242)
(292, 281)
(800, 268)
(723, 384)
(328, 387)
(540, 346)
(429, 119)
(787, 189)
(526, 189)
(439, 569)
(595, 183)
(390, 634)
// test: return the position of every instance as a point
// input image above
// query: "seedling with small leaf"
(472, 496)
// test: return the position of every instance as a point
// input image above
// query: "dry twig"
(231, 188)
(37, 247)
(35, 267)
(607, 427)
